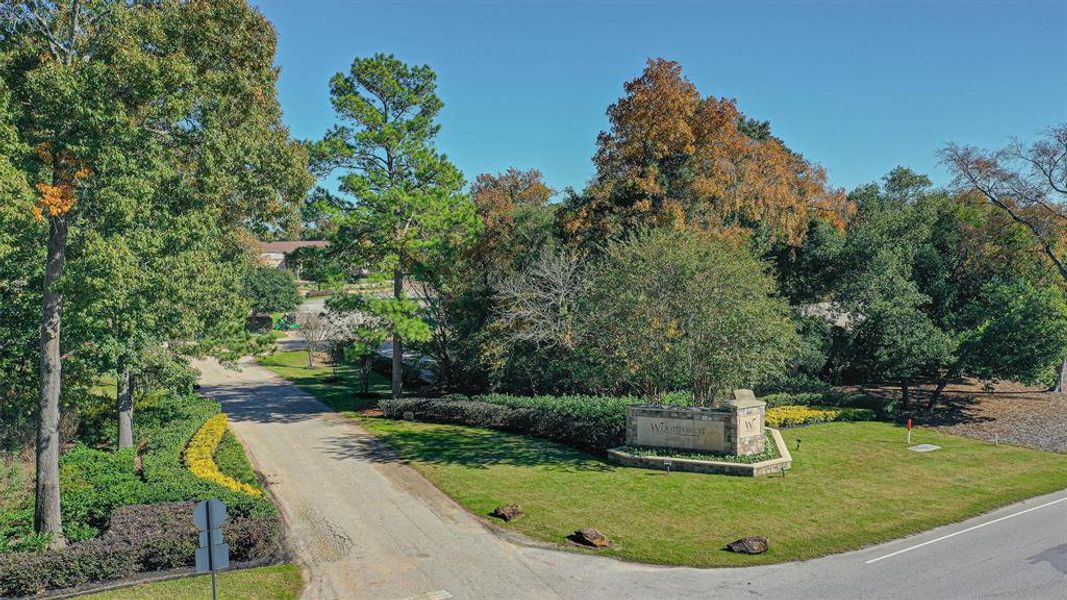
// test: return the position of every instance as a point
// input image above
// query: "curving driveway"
(365, 526)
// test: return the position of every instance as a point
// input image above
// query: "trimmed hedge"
(591, 422)
(140, 538)
(576, 421)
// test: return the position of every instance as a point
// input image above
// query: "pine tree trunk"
(47, 517)
(125, 399)
(1061, 374)
(398, 350)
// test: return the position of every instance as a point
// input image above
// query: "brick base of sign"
(766, 467)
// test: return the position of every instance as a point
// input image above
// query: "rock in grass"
(590, 537)
(749, 545)
(507, 512)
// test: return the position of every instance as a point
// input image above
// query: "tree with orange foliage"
(516, 219)
(672, 158)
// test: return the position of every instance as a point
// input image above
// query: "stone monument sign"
(735, 427)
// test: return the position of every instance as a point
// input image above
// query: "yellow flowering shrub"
(794, 415)
(200, 456)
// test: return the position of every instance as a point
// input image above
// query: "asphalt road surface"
(365, 526)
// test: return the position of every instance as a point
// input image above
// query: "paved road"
(366, 526)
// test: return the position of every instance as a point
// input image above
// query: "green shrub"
(95, 482)
(140, 538)
(591, 422)
(271, 290)
(792, 383)
(233, 462)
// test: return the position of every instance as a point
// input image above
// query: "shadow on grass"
(451, 445)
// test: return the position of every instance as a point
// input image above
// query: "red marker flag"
(909, 424)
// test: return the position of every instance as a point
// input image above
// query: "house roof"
(285, 247)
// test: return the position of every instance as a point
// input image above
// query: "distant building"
(832, 313)
(274, 254)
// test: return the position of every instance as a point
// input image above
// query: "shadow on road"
(264, 402)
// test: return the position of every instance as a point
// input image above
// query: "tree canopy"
(675, 159)
(407, 200)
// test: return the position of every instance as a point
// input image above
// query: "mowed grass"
(277, 582)
(851, 485)
(340, 393)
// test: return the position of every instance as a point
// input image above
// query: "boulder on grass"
(749, 545)
(590, 537)
(507, 512)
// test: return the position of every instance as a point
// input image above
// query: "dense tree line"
(706, 254)
(142, 150)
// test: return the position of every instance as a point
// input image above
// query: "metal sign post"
(213, 554)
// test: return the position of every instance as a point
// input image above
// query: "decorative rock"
(590, 537)
(507, 512)
(749, 545)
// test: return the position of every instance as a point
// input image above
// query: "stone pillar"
(747, 421)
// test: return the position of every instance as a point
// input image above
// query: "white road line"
(979, 526)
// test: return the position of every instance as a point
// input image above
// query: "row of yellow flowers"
(793, 415)
(200, 456)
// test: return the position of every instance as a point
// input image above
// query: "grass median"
(338, 388)
(851, 485)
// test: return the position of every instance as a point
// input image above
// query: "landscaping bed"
(594, 423)
(129, 511)
(1006, 412)
(770, 450)
(850, 485)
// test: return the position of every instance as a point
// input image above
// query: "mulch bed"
(1010, 413)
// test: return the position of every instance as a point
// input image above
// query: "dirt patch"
(1007, 412)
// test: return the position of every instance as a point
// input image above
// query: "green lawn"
(852, 484)
(339, 393)
(278, 582)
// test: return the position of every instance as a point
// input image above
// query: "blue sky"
(858, 87)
